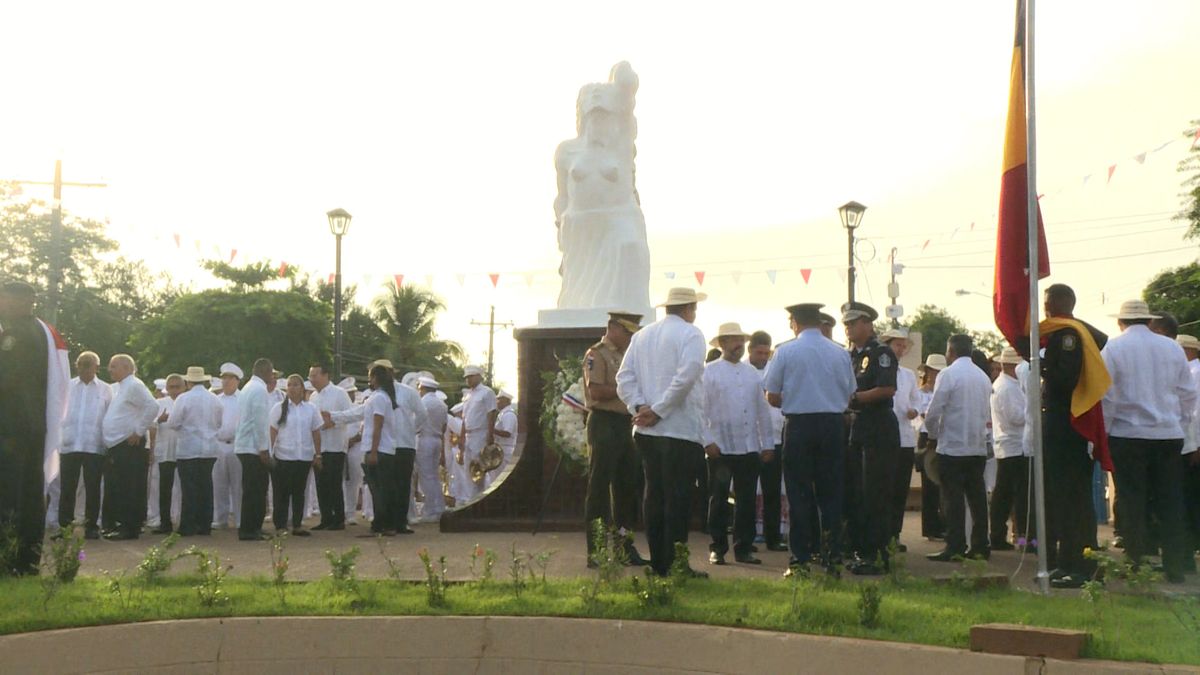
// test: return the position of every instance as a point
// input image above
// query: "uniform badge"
(866, 362)
(591, 361)
(1068, 343)
(885, 361)
(7, 343)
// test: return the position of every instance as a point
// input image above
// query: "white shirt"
(229, 418)
(960, 413)
(195, 420)
(378, 405)
(737, 416)
(1192, 438)
(924, 398)
(294, 438)
(811, 375)
(1152, 396)
(333, 399)
(777, 418)
(86, 405)
(165, 438)
(253, 406)
(435, 417)
(479, 403)
(506, 420)
(664, 368)
(906, 399)
(407, 417)
(132, 411)
(1008, 416)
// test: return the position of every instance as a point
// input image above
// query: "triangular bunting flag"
(1196, 138)
(460, 278)
(925, 245)
(1140, 158)
(495, 279)
(332, 278)
(972, 226)
(232, 255)
(1112, 169)
(771, 276)
(176, 237)
(1087, 178)
(700, 278)
(806, 273)
(283, 268)
(669, 275)
(737, 276)
(399, 279)
(955, 232)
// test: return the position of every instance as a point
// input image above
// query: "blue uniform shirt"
(812, 374)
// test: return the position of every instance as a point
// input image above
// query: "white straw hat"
(682, 296)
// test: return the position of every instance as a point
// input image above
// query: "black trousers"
(612, 472)
(932, 526)
(742, 471)
(330, 499)
(962, 480)
(669, 466)
(1143, 468)
(1011, 497)
(166, 486)
(770, 478)
(1191, 498)
(1070, 516)
(92, 466)
(390, 482)
(406, 459)
(196, 488)
(813, 473)
(22, 500)
(900, 487)
(871, 462)
(289, 480)
(108, 499)
(255, 480)
(129, 487)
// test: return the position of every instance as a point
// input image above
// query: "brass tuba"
(490, 459)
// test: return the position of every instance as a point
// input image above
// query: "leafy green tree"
(1176, 291)
(251, 276)
(936, 325)
(1190, 167)
(211, 327)
(406, 314)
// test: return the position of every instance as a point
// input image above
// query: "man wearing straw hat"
(429, 449)
(810, 379)
(612, 460)
(660, 383)
(195, 419)
(1010, 496)
(737, 428)
(479, 422)
(1151, 402)
(227, 471)
(905, 406)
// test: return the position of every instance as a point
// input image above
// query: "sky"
(238, 125)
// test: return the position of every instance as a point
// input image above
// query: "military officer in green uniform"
(873, 454)
(613, 466)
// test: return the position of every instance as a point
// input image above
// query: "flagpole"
(1034, 387)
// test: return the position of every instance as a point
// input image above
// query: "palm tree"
(407, 313)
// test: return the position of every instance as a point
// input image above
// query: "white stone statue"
(601, 230)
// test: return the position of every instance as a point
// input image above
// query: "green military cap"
(852, 311)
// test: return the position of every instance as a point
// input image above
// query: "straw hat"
(682, 296)
(196, 374)
(935, 362)
(1009, 356)
(472, 370)
(231, 369)
(1188, 342)
(1134, 310)
(894, 334)
(731, 329)
(380, 362)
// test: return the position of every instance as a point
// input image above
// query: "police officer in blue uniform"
(873, 453)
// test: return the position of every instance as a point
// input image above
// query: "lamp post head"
(339, 221)
(851, 214)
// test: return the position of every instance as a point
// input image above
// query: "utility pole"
(894, 310)
(54, 276)
(492, 326)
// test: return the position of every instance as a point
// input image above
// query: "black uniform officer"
(23, 384)
(873, 453)
(1070, 516)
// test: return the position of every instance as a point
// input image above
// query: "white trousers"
(353, 487)
(428, 460)
(227, 487)
(153, 517)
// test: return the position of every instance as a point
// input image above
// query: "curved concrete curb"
(493, 645)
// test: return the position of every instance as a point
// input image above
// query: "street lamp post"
(851, 214)
(339, 224)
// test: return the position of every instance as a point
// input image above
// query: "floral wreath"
(564, 415)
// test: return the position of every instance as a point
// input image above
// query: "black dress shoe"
(165, 529)
(866, 569)
(1002, 546)
(121, 536)
(91, 533)
(973, 554)
(1069, 581)
(697, 574)
(1057, 573)
(635, 559)
(945, 555)
(901, 548)
(777, 546)
(404, 530)
(252, 536)
(301, 532)
(321, 526)
(747, 559)
(334, 528)
(715, 558)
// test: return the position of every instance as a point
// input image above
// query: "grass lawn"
(1123, 627)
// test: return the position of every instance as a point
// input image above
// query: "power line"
(1055, 262)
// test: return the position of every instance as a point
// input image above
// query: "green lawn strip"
(1123, 627)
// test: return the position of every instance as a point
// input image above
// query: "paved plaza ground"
(308, 562)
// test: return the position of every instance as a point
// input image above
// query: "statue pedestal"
(516, 498)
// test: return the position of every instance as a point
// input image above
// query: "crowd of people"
(843, 430)
(838, 431)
